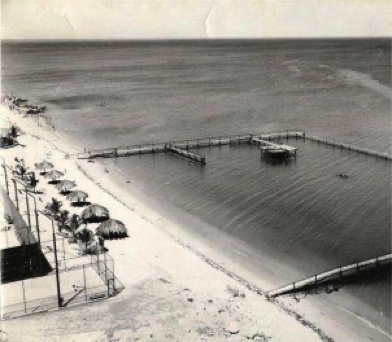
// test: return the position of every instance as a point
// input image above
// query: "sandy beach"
(177, 288)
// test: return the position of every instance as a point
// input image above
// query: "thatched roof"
(54, 174)
(45, 165)
(65, 185)
(95, 213)
(77, 196)
(112, 229)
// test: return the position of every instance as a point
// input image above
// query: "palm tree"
(73, 224)
(85, 235)
(21, 171)
(14, 131)
(54, 208)
(63, 219)
(7, 140)
(32, 181)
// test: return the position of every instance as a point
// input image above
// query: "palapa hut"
(112, 229)
(65, 186)
(94, 213)
(45, 165)
(77, 197)
(54, 175)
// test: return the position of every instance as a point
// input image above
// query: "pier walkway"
(261, 139)
(273, 148)
(331, 275)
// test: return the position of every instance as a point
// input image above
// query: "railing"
(149, 147)
(78, 296)
(336, 273)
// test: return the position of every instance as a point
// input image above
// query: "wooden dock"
(160, 147)
(331, 275)
(273, 149)
(186, 154)
(261, 139)
(327, 142)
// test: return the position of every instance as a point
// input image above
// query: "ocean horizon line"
(191, 40)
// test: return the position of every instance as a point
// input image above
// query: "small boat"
(343, 175)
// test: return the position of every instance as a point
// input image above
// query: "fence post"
(28, 209)
(99, 270)
(24, 297)
(106, 273)
(37, 227)
(6, 178)
(16, 194)
(59, 298)
(65, 267)
(84, 282)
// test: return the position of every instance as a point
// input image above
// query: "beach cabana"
(54, 175)
(77, 196)
(65, 186)
(94, 213)
(45, 166)
(112, 229)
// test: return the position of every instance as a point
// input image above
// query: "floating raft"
(334, 274)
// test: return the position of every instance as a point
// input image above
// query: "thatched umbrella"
(95, 213)
(77, 196)
(112, 229)
(65, 185)
(54, 175)
(45, 165)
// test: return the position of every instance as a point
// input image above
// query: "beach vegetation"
(73, 225)
(21, 170)
(32, 181)
(53, 208)
(8, 141)
(14, 131)
(63, 220)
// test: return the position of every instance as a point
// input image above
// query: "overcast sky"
(158, 19)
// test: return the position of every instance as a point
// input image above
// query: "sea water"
(299, 212)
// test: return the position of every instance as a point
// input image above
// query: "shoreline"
(211, 259)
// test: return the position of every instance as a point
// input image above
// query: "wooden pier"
(328, 142)
(179, 147)
(261, 139)
(273, 149)
(186, 154)
(335, 274)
